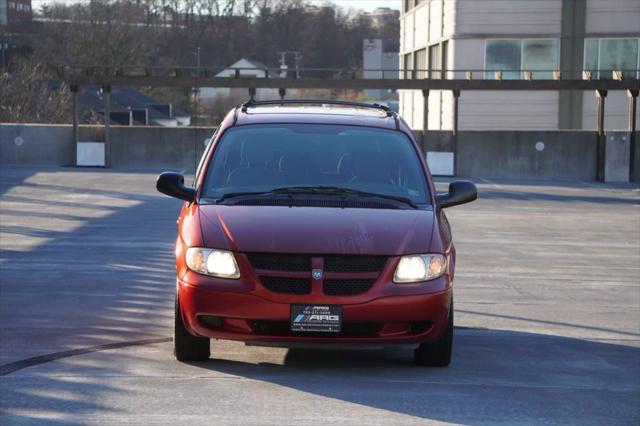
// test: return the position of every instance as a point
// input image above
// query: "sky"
(354, 4)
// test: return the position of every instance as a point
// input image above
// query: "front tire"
(187, 347)
(438, 353)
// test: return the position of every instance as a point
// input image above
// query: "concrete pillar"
(456, 97)
(76, 125)
(425, 110)
(454, 130)
(572, 33)
(601, 95)
(632, 94)
(106, 90)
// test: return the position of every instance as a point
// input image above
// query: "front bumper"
(245, 316)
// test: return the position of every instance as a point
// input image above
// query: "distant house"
(250, 68)
(129, 107)
(243, 68)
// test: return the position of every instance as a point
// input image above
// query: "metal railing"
(93, 73)
(350, 79)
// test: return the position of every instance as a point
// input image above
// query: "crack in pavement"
(42, 359)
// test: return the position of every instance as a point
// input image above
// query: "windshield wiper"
(240, 194)
(325, 190)
(344, 191)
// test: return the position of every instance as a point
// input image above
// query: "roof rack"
(252, 103)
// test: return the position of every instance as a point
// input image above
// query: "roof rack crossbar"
(248, 104)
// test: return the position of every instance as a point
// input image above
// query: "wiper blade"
(330, 190)
(341, 191)
(283, 190)
(240, 194)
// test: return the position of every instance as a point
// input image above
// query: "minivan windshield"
(266, 157)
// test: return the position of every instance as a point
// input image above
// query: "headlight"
(217, 263)
(416, 268)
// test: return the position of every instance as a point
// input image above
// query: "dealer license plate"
(316, 318)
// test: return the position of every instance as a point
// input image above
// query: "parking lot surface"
(547, 312)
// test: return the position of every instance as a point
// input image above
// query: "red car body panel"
(403, 313)
(316, 230)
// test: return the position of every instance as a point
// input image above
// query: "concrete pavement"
(547, 308)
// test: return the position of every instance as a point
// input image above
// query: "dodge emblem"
(316, 274)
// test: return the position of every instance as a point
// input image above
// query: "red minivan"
(314, 223)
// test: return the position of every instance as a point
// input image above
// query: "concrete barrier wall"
(178, 148)
(134, 146)
(566, 155)
(435, 140)
(558, 154)
(35, 144)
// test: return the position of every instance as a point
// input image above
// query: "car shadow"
(496, 376)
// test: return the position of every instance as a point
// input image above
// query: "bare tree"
(213, 33)
(27, 94)
(99, 33)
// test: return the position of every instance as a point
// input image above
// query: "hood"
(316, 230)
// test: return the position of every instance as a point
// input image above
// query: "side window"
(204, 155)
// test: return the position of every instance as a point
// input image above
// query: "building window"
(408, 66)
(445, 59)
(435, 65)
(502, 55)
(410, 4)
(603, 55)
(421, 63)
(540, 56)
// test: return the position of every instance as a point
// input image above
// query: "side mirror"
(172, 184)
(460, 192)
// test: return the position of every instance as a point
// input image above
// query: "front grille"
(287, 285)
(280, 262)
(347, 287)
(362, 268)
(283, 328)
(354, 263)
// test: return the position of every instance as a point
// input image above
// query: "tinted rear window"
(262, 157)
